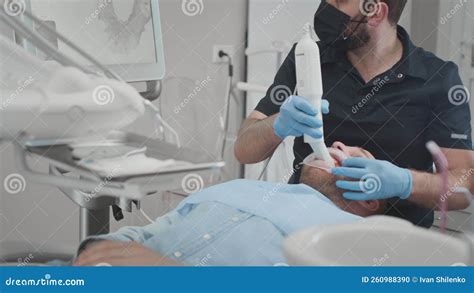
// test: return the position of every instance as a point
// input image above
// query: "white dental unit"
(84, 105)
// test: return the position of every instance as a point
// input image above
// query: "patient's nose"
(340, 146)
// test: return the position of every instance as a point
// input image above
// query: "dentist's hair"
(396, 8)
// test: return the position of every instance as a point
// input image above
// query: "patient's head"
(315, 176)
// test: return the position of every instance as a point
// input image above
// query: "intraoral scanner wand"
(310, 86)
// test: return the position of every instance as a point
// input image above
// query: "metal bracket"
(98, 187)
(153, 90)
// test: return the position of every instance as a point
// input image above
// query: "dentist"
(387, 96)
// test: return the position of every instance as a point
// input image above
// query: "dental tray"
(69, 175)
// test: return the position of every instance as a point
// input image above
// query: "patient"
(238, 223)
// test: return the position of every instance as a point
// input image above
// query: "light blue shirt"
(240, 222)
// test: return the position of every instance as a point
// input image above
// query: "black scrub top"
(393, 116)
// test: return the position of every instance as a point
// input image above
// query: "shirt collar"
(411, 63)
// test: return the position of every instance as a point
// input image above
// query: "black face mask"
(331, 25)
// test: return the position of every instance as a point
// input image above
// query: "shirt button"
(235, 219)
(178, 254)
(207, 237)
(400, 75)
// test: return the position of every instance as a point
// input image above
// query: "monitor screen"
(125, 35)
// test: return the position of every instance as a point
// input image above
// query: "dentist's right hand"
(298, 117)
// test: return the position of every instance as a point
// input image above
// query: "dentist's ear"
(378, 14)
(370, 205)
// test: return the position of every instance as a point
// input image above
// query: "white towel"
(124, 166)
(121, 161)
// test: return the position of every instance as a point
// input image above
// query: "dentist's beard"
(360, 38)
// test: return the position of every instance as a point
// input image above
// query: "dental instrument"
(441, 163)
(310, 85)
(84, 108)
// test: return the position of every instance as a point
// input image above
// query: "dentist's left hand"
(377, 180)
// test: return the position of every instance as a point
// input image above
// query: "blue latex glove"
(378, 179)
(298, 117)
